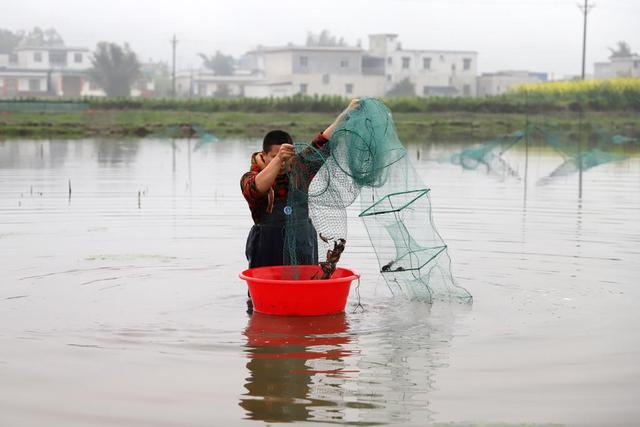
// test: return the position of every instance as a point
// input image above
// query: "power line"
(585, 11)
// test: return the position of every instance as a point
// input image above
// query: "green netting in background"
(580, 150)
(42, 107)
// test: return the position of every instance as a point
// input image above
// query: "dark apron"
(266, 241)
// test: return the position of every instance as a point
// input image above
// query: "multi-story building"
(432, 72)
(353, 71)
(31, 70)
(313, 70)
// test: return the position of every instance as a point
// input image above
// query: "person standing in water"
(265, 187)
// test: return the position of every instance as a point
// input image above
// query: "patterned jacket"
(258, 202)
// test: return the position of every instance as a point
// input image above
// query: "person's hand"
(355, 103)
(328, 132)
(286, 152)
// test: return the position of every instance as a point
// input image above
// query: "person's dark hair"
(275, 137)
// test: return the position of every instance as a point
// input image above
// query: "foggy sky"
(534, 35)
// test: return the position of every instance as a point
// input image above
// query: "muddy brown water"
(120, 305)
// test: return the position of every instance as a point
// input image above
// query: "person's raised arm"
(329, 131)
(268, 175)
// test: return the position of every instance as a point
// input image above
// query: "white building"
(38, 71)
(492, 84)
(353, 71)
(627, 66)
(433, 72)
(312, 70)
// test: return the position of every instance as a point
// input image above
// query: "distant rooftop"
(512, 73)
(76, 49)
(439, 51)
(307, 48)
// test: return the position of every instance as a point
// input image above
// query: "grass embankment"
(611, 105)
(411, 126)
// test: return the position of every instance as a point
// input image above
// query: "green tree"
(114, 69)
(42, 38)
(324, 38)
(9, 40)
(220, 64)
(37, 37)
(403, 88)
(622, 51)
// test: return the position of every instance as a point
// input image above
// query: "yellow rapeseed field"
(582, 87)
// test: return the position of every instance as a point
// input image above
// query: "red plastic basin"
(289, 291)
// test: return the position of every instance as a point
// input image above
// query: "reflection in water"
(585, 149)
(56, 154)
(413, 341)
(314, 368)
(280, 386)
(489, 155)
(109, 153)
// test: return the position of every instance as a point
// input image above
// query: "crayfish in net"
(333, 257)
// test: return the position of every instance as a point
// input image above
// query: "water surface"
(120, 302)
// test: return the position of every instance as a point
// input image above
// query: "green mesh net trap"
(365, 159)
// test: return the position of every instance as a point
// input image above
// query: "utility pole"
(585, 11)
(174, 42)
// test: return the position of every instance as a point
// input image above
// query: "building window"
(425, 90)
(304, 61)
(426, 63)
(441, 58)
(389, 60)
(303, 88)
(388, 77)
(34, 85)
(93, 85)
(348, 88)
(344, 63)
(37, 56)
(77, 58)
(13, 58)
(466, 90)
(59, 58)
(466, 64)
(325, 79)
(202, 89)
(406, 62)
(636, 64)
